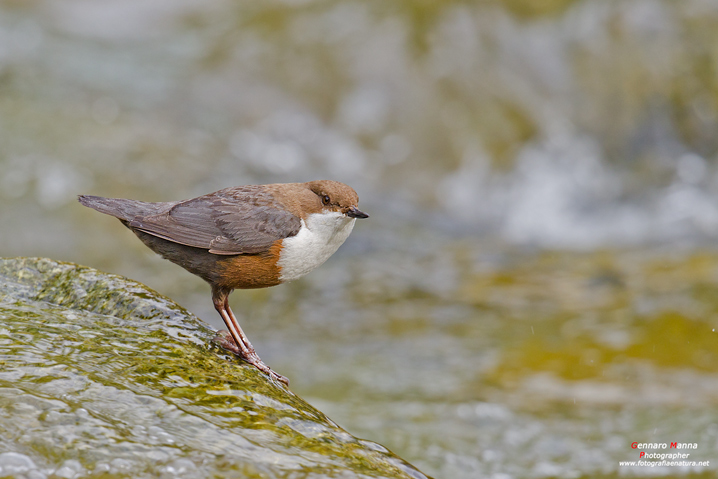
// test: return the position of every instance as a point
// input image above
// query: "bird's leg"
(243, 347)
(249, 351)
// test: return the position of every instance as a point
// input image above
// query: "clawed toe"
(279, 377)
(225, 340)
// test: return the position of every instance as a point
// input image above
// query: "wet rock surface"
(102, 377)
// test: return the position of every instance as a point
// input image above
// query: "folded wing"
(241, 220)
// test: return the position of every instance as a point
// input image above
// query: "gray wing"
(231, 221)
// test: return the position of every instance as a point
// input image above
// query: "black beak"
(354, 212)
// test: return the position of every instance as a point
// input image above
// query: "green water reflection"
(523, 363)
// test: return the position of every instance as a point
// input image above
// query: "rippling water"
(535, 288)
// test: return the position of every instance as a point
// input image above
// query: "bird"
(243, 237)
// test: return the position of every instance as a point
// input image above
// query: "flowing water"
(536, 287)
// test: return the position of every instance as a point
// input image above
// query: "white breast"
(319, 237)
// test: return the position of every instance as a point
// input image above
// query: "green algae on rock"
(101, 376)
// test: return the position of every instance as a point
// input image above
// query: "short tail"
(120, 208)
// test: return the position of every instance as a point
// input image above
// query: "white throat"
(318, 238)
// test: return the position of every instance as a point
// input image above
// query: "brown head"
(320, 196)
(335, 196)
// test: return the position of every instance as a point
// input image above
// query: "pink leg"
(243, 347)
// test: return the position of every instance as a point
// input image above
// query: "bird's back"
(221, 271)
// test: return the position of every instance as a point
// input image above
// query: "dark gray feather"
(123, 209)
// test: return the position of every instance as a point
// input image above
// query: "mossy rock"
(102, 377)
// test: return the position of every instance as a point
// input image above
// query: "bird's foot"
(225, 340)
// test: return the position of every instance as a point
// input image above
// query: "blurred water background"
(537, 286)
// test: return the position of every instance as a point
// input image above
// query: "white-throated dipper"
(243, 237)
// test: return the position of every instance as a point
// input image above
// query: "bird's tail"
(120, 208)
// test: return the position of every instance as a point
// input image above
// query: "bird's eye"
(325, 199)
